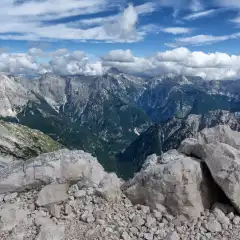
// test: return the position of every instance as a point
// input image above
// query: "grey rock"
(148, 236)
(53, 193)
(109, 187)
(55, 210)
(137, 221)
(11, 216)
(61, 166)
(179, 181)
(80, 194)
(221, 134)
(172, 236)
(126, 236)
(51, 232)
(213, 226)
(10, 196)
(224, 165)
(236, 220)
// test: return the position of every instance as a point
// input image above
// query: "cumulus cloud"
(177, 61)
(17, 63)
(119, 56)
(182, 61)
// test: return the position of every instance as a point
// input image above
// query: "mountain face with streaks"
(104, 114)
(18, 142)
(160, 138)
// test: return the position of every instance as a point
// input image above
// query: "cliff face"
(168, 135)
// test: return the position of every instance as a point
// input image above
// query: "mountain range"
(105, 115)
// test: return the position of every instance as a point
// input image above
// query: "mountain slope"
(168, 135)
(21, 142)
(103, 115)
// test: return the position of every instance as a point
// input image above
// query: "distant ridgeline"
(104, 115)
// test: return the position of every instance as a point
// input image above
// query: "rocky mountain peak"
(114, 71)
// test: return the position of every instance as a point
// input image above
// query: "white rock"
(148, 236)
(61, 166)
(213, 226)
(172, 236)
(10, 196)
(68, 209)
(230, 215)
(125, 236)
(53, 193)
(137, 221)
(220, 216)
(220, 134)
(51, 232)
(11, 216)
(236, 220)
(80, 194)
(223, 162)
(109, 187)
(180, 185)
(55, 210)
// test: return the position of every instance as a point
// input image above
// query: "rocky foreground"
(189, 193)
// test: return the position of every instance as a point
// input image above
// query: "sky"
(139, 37)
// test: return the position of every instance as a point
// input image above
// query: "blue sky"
(18, 25)
(96, 27)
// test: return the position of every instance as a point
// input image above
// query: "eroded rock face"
(223, 162)
(220, 133)
(219, 148)
(56, 167)
(176, 181)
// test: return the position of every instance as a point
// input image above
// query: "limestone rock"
(179, 184)
(220, 133)
(53, 193)
(223, 162)
(51, 232)
(61, 166)
(172, 236)
(109, 187)
(213, 226)
(11, 216)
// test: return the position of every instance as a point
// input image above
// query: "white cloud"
(36, 52)
(177, 30)
(202, 14)
(236, 20)
(177, 61)
(17, 63)
(202, 39)
(146, 8)
(228, 3)
(27, 21)
(193, 5)
(182, 61)
(119, 56)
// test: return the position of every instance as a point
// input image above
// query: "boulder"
(223, 162)
(51, 232)
(12, 216)
(220, 133)
(177, 182)
(53, 193)
(57, 167)
(109, 187)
